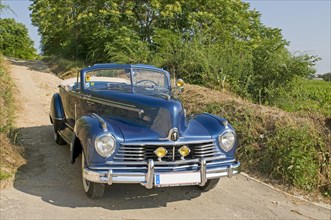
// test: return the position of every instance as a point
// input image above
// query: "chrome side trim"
(107, 102)
(102, 122)
(115, 104)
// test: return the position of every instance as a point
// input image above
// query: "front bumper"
(128, 172)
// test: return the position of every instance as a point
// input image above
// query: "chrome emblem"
(173, 134)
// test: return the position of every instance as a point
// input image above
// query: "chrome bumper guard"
(108, 176)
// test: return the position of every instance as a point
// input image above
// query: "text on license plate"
(183, 178)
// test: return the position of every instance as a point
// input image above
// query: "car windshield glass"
(115, 79)
(144, 80)
(150, 80)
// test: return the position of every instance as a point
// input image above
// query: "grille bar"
(144, 151)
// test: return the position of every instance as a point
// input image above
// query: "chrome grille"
(144, 152)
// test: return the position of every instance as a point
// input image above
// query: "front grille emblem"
(173, 134)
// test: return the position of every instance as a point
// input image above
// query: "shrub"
(327, 77)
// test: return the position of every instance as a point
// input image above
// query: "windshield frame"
(132, 68)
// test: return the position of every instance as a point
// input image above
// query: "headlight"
(227, 141)
(105, 144)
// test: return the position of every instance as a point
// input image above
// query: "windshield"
(143, 80)
(149, 80)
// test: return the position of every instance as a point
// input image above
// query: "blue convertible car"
(129, 128)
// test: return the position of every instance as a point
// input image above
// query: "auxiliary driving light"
(184, 151)
(160, 152)
(180, 83)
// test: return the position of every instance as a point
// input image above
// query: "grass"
(6, 98)
(10, 157)
(62, 67)
(312, 96)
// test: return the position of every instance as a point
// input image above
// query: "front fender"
(87, 128)
(216, 126)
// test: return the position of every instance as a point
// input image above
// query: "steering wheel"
(146, 81)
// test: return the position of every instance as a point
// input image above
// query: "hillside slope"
(293, 148)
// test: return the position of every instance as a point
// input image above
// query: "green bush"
(327, 77)
(295, 153)
(291, 154)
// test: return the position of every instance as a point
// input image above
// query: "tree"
(15, 41)
(205, 41)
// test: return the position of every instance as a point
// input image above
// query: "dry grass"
(195, 99)
(10, 155)
(10, 160)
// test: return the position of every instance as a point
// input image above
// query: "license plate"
(177, 179)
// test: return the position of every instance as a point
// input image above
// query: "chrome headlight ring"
(227, 140)
(105, 144)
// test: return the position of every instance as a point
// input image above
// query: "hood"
(144, 117)
(133, 132)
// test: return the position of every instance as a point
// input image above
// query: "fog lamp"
(180, 83)
(184, 150)
(160, 152)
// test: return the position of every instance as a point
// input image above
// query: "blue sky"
(305, 23)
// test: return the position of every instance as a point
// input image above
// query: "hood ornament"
(173, 134)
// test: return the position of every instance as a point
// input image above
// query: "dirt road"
(49, 187)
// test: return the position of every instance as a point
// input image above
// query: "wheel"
(57, 137)
(210, 184)
(92, 190)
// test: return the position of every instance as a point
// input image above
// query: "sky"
(305, 23)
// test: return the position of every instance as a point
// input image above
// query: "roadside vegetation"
(222, 45)
(310, 96)
(15, 41)
(10, 157)
(289, 147)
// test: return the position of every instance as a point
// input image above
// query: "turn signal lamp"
(160, 152)
(184, 151)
